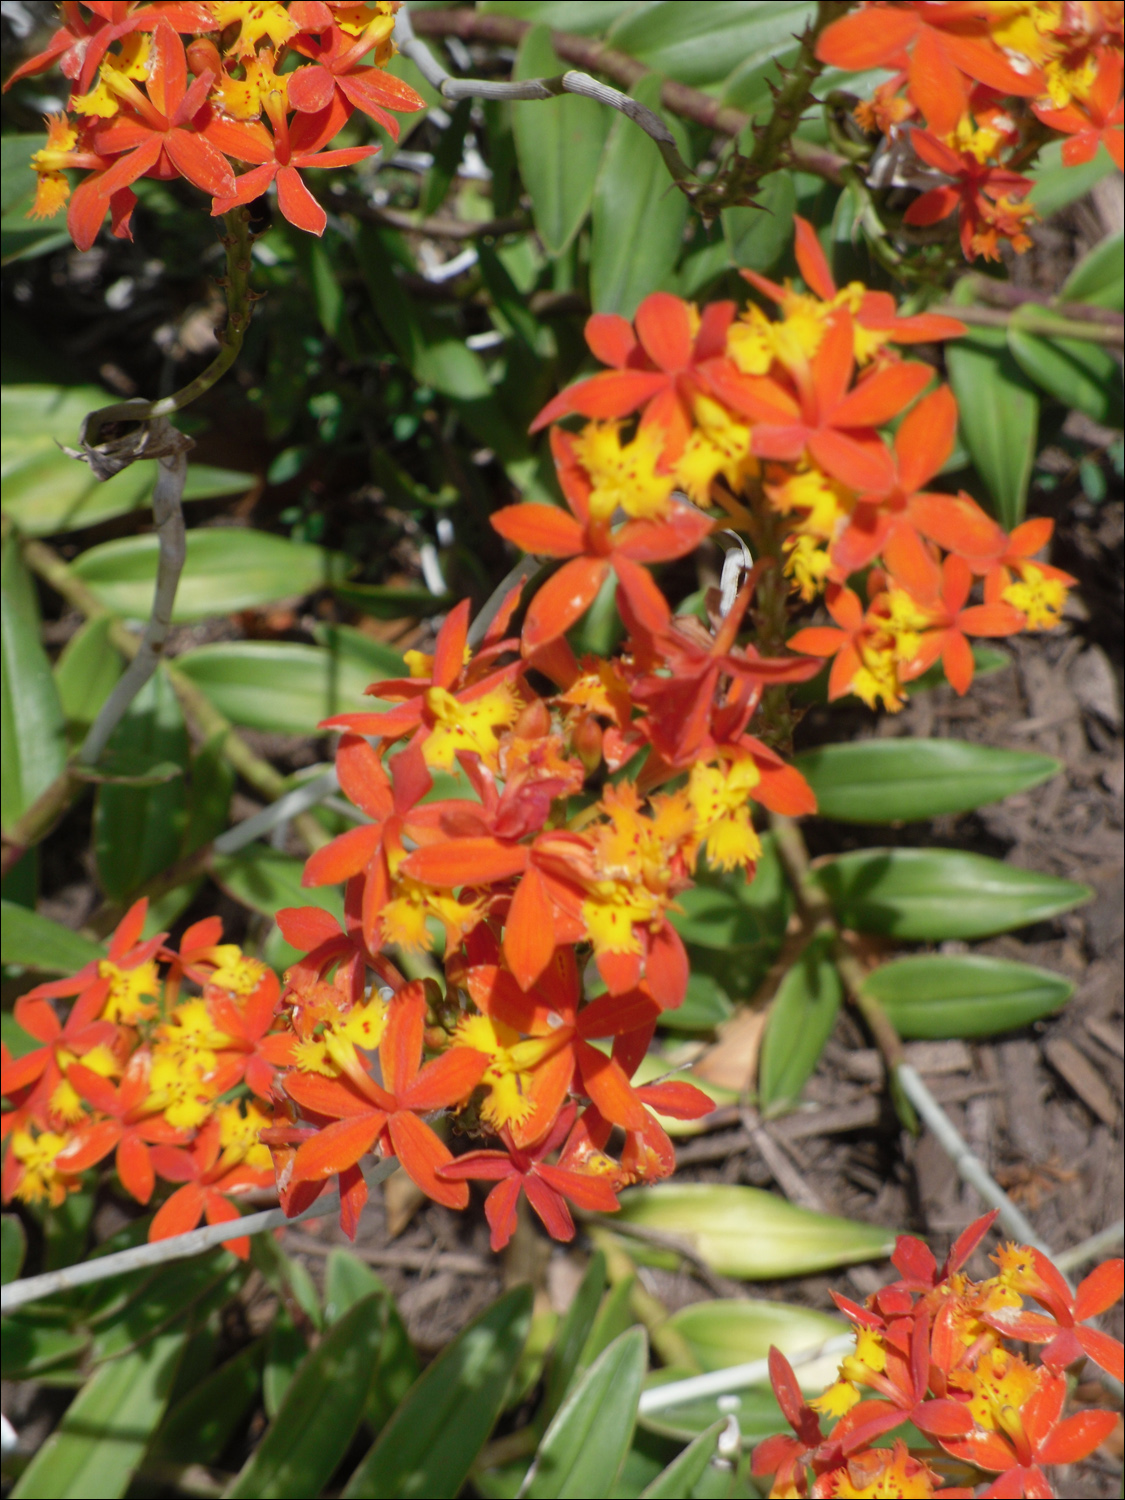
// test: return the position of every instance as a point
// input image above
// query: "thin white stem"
(176, 1247)
(571, 82)
(736, 1377)
(297, 801)
(970, 1168)
(1088, 1250)
(492, 605)
(170, 448)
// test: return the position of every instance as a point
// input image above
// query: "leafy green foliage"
(585, 1446)
(801, 1020)
(965, 995)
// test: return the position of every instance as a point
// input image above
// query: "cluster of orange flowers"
(175, 1083)
(144, 105)
(978, 87)
(592, 789)
(931, 1351)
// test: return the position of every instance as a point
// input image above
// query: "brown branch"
(691, 104)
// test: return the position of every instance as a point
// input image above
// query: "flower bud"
(587, 742)
(203, 57)
(534, 722)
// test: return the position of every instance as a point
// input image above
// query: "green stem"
(1028, 319)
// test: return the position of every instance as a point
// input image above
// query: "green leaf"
(999, 417)
(227, 568)
(395, 1368)
(286, 1348)
(138, 830)
(585, 1446)
(320, 1413)
(98, 1445)
(447, 159)
(280, 686)
(928, 895)
(17, 582)
(687, 1468)
(638, 215)
(953, 996)
(86, 673)
(200, 1426)
(264, 879)
(584, 17)
(13, 1248)
(31, 1347)
(44, 491)
(127, 1310)
(748, 1233)
(17, 177)
(559, 143)
(702, 43)
(800, 1022)
(38, 943)
(1078, 374)
(429, 1445)
(893, 781)
(573, 1332)
(1098, 277)
(727, 1331)
(757, 236)
(384, 602)
(705, 1006)
(1057, 185)
(33, 750)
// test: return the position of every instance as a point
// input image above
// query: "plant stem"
(689, 103)
(1028, 319)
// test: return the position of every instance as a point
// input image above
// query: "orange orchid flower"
(1029, 1272)
(247, 1028)
(660, 362)
(523, 1170)
(80, 43)
(209, 1174)
(593, 548)
(365, 1113)
(154, 136)
(936, 603)
(282, 156)
(1097, 121)
(874, 312)
(687, 716)
(986, 197)
(947, 45)
(857, 641)
(127, 1127)
(335, 73)
(835, 425)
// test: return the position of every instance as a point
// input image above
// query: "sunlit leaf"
(585, 1446)
(939, 995)
(801, 1020)
(33, 751)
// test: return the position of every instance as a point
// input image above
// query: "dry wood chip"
(1082, 1077)
(733, 1061)
(1105, 1032)
(858, 1116)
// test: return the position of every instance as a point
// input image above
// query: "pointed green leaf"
(748, 1233)
(893, 781)
(928, 895)
(999, 416)
(1098, 277)
(429, 1445)
(346, 1281)
(559, 143)
(971, 995)
(801, 1019)
(200, 1426)
(18, 584)
(38, 943)
(138, 830)
(573, 1332)
(320, 1413)
(1078, 374)
(96, 1448)
(227, 568)
(86, 673)
(286, 1349)
(585, 1446)
(639, 214)
(725, 1331)
(33, 751)
(280, 686)
(687, 1469)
